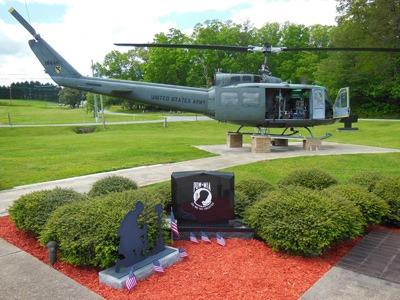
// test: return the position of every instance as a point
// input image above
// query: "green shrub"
(86, 231)
(372, 207)
(389, 190)
(315, 179)
(303, 221)
(31, 211)
(366, 179)
(163, 192)
(112, 184)
(20, 210)
(252, 188)
(241, 203)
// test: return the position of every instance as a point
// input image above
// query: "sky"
(82, 31)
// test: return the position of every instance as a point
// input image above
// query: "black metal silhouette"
(133, 241)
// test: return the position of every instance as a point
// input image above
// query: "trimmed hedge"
(389, 190)
(86, 231)
(366, 179)
(372, 207)
(31, 211)
(112, 184)
(247, 192)
(303, 221)
(253, 188)
(315, 179)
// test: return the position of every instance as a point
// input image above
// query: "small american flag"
(220, 239)
(205, 238)
(174, 224)
(131, 281)
(157, 266)
(182, 253)
(193, 238)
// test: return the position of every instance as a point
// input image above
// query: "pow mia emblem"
(58, 69)
(202, 197)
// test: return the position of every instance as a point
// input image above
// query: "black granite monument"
(204, 201)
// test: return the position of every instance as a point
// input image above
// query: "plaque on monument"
(203, 196)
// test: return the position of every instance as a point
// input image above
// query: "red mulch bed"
(244, 269)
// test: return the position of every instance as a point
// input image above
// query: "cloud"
(88, 29)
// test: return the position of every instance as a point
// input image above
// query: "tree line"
(373, 77)
(30, 90)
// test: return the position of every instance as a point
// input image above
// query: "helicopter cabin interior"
(273, 103)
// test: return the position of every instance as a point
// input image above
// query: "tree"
(71, 97)
(373, 77)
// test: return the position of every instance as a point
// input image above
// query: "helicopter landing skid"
(293, 135)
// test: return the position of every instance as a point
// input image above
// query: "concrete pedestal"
(142, 269)
(234, 140)
(260, 144)
(312, 144)
(280, 142)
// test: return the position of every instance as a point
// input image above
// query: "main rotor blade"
(354, 49)
(188, 46)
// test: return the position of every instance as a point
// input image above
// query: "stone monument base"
(234, 140)
(312, 144)
(280, 142)
(260, 144)
(142, 269)
(232, 229)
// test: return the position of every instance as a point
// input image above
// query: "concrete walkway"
(226, 157)
(25, 277)
(342, 284)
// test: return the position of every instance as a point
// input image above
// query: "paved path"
(342, 284)
(169, 119)
(226, 157)
(25, 277)
(370, 270)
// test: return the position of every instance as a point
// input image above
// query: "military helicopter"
(261, 101)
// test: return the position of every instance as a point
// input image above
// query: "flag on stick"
(193, 238)
(174, 225)
(157, 266)
(220, 239)
(182, 253)
(205, 238)
(131, 281)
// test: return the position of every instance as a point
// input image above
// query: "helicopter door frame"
(240, 104)
(317, 104)
(341, 107)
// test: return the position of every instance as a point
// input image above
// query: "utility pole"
(102, 111)
(96, 116)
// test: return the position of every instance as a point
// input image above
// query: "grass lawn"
(42, 112)
(30, 155)
(342, 167)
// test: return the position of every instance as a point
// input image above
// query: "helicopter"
(256, 100)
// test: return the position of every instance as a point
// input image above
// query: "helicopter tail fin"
(54, 64)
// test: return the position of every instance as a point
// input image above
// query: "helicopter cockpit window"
(235, 79)
(229, 98)
(251, 99)
(246, 78)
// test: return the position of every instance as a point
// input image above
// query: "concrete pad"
(344, 284)
(7, 248)
(144, 269)
(25, 277)
(227, 157)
